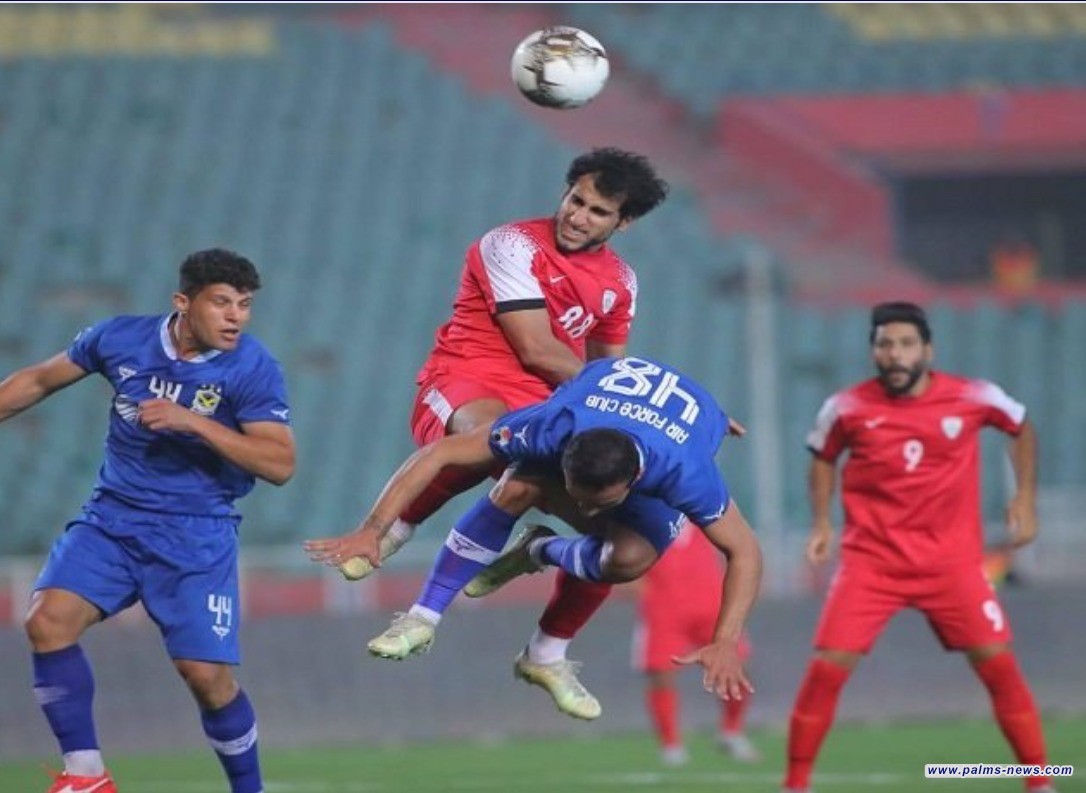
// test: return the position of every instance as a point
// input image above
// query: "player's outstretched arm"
(724, 675)
(467, 450)
(32, 384)
(1022, 510)
(821, 481)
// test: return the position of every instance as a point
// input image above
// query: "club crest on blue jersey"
(502, 436)
(206, 399)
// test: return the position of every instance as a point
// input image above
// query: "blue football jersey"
(168, 471)
(676, 424)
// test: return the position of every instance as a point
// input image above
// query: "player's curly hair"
(217, 266)
(622, 173)
(599, 458)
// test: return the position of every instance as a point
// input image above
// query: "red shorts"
(659, 635)
(441, 394)
(960, 604)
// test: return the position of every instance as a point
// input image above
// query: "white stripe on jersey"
(507, 255)
(990, 394)
(827, 417)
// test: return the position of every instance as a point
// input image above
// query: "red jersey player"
(913, 534)
(536, 299)
(677, 612)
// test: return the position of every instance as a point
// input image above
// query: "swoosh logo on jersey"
(101, 783)
(556, 278)
(872, 423)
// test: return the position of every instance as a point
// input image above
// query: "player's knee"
(49, 628)
(626, 561)
(212, 685)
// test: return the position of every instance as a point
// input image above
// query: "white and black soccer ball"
(560, 67)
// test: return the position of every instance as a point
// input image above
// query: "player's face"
(592, 502)
(902, 358)
(214, 318)
(585, 218)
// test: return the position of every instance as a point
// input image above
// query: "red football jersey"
(911, 484)
(688, 577)
(588, 295)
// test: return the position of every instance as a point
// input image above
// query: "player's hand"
(165, 415)
(724, 675)
(735, 428)
(334, 551)
(820, 543)
(1021, 521)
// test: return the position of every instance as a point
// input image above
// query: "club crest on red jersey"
(952, 426)
(609, 298)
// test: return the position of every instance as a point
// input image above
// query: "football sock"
(580, 556)
(231, 731)
(64, 689)
(812, 716)
(572, 604)
(733, 713)
(1015, 710)
(401, 530)
(663, 705)
(546, 649)
(447, 484)
(475, 541)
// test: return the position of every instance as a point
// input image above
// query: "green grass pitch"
(886, 759)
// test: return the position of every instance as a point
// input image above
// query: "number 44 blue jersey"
(168, 471)
(677, 426)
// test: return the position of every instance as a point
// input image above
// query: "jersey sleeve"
(702, 495)
(827, 439)
(614, 327)
(507, 255)
(262, 394)
(85, 349)
(1000, 410)
(536, 432)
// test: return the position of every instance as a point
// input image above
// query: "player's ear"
(180, 302)
(624, 224)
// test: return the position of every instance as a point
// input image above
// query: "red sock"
(572, 605)
(812, 716)
(450, 482)
(1015, 710)
(663, 704)
(733, 713)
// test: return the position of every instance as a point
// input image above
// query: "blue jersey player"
(624, 453)
(199, 411)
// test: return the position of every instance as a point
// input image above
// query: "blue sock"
(64, 688)
(581, 557)
(475, 541)
(231, 731)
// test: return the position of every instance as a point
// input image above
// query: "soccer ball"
(560, 67)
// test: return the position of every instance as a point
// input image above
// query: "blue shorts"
(183, 569)
(650, 517)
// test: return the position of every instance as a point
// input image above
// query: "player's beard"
(902, 386)
(588, 243)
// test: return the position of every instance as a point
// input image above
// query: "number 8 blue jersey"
(677, 426)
